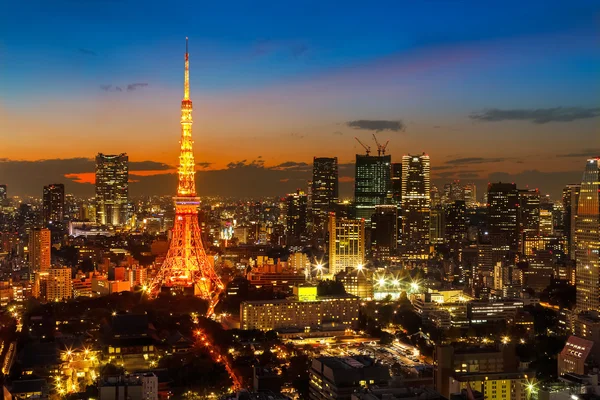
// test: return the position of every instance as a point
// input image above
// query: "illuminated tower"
(587, 239)
(187, 267)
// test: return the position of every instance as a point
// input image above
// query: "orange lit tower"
(186, 266)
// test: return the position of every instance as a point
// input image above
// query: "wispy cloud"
(87, 52)
(583, 153)
(537, 116)
(133, 86)
(203, 164)
(377, 125)
(111, 88)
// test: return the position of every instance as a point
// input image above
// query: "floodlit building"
(39, 249)
(305, 313)
(573, 357)
(112, 189)
(346, 243)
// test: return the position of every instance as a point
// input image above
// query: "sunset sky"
(490, 90)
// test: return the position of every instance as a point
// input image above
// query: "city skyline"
(261, 95)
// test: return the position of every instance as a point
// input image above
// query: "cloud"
(299, 49)
(111, 88)
(133, 86)
(338, 133)
(583, 153)
(149, 166)
(293, 166)
(203, 164)
(474, 160)
(377, 125)
(87, 52)
(537, 116)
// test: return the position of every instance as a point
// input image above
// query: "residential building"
(53, 204)
(39, 249)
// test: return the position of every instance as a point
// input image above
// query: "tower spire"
(187, 166)
(186, 85)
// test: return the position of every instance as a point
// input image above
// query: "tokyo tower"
(187, 267)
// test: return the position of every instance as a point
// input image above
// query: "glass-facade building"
(325, 191)
(112, 189)
(372, 184)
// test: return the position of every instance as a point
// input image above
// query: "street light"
(414, 286)
(359, 267)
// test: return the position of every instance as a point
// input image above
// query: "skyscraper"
(384, 231)
(587, 239)
(456, 226)
(372, 183)
(53, 204)
(346, 243)
(470, 194)
(324, 186)
(503, 219)
(112, 189)
(39, 249)
(570, 199)
(416, 205)
(296, 217)
(529, 211)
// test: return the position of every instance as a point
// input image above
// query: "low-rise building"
(333, 314)
(339, 377)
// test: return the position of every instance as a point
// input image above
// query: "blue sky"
(273, 72)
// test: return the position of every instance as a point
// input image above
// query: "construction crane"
(380, 148)
(367, 148)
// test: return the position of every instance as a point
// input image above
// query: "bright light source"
(359, 267)
(381, 281)
(395, 282)
(414, 286)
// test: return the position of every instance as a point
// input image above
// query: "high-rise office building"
(416, 205)
(346, 243)
(324, 193)
(529, 211)
(503, 218)
(372, 183)
(546, 220)
(296, 216)
(587, 239)
(53, 204)
(112, 189)
(455, 226)
(470, 195)
(39, 249)
(384, 231)
(570, 199)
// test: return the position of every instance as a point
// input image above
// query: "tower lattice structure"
(187, 266)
